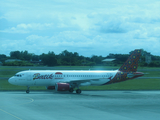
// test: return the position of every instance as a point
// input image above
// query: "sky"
(92, 27)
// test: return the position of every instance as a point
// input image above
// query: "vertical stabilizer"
(128, 69)
(131, 64)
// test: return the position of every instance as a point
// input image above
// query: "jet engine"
(50, 87)
(62, 86)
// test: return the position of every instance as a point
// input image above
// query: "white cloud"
(88, 27)
(27, 28)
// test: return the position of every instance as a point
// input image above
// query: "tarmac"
(90, 105)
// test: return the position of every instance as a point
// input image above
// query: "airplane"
(68, 80)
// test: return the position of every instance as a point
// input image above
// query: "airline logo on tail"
(131, 64)
(128, 69)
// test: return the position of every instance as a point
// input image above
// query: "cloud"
(113, 26)
(3, 23)
(35, 26)
(107, 23)
(26, 28)
(138, 34)
(92, 27)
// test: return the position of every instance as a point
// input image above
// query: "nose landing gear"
(27, 91)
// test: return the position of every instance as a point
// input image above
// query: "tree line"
(66, 58)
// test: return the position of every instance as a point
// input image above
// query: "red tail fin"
(128, 69)
(131, 64)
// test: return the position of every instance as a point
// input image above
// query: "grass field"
(135, 84)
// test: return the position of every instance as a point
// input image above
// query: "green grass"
(7, 73)
(4, 85)
(135, 84)
(152, 74)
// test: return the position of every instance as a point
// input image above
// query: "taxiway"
(90, 105)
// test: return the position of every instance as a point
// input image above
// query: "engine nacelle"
(50, 87)
(62, 86)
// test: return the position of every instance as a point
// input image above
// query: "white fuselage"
(50, 78)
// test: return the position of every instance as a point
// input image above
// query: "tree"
(49, 59)
(97, 59)
(35, 57)
(26, 56)
(21, 55)
(66, 57)
(2, 57)
(15, 55)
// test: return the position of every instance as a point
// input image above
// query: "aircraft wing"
(79, 81)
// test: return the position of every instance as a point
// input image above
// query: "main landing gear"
(78, 91)
(71, 90)
(27, 91)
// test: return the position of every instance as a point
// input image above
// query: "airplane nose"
(10, 80)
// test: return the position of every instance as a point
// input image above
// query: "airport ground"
(90, 105)
(137, 99)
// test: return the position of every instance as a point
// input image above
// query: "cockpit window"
(18, 75)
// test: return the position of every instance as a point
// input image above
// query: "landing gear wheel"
(71, 90)
(78, 91)
(27, 91)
